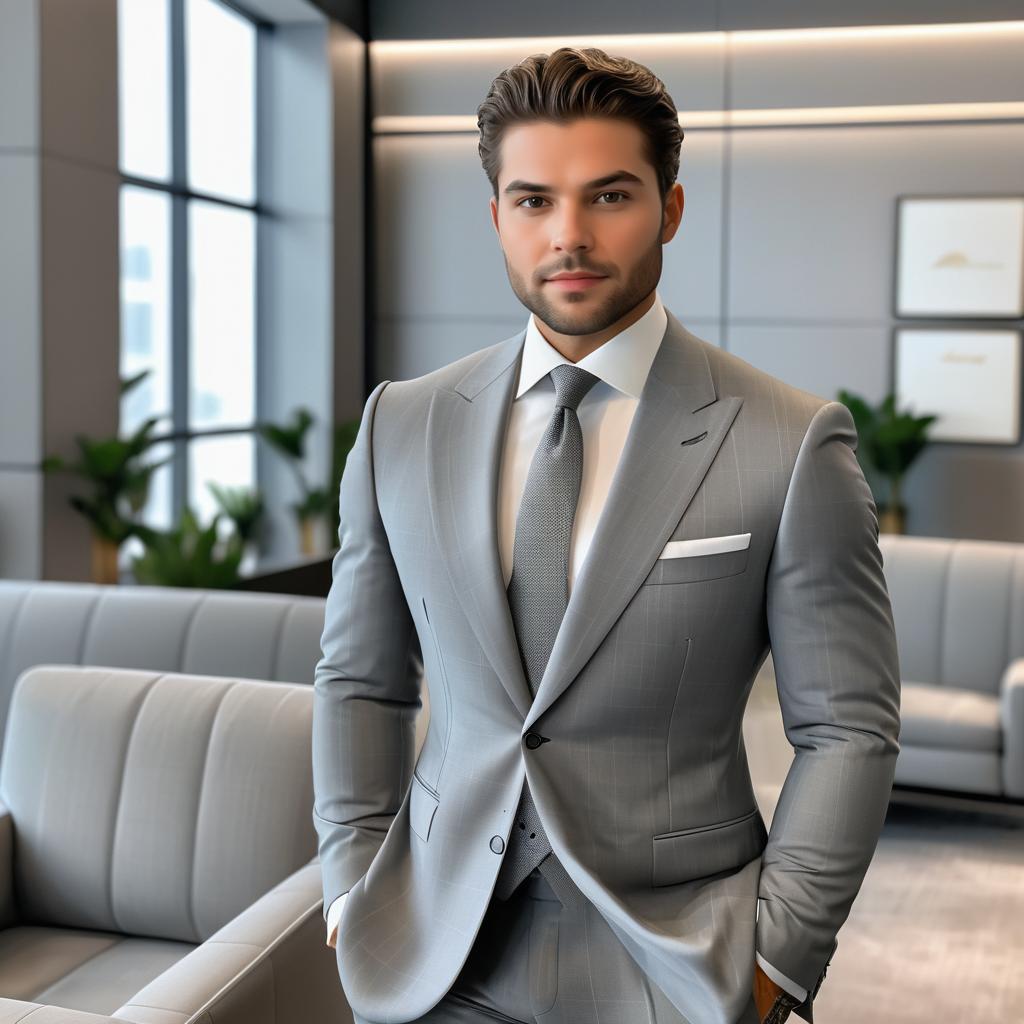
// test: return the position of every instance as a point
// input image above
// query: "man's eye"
(523, 202)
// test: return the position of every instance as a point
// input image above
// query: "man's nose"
(571, 230)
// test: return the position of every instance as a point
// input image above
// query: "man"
(589, 535)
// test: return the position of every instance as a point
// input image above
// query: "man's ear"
(494, 216)
(672, 212)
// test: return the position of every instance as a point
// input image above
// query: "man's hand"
(334, 920)
(765, 991)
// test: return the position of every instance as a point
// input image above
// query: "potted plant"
(889, 443)
(189, 555)
(317, 504)
(120, 483)
(244, 507)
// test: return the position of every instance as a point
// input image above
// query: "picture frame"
(959, 256)
(968, 378)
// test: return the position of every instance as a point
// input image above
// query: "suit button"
(534, 740)
(497, 844)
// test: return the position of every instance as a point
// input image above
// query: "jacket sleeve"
(837, 672)
(366, 684)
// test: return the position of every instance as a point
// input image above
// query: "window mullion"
(179, 260)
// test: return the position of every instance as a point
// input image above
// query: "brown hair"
(571, 83)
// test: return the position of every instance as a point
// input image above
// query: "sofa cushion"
(154, 804)
(946, 716)
(161, 629)
(81, 970)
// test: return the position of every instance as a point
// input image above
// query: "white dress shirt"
(621, 365)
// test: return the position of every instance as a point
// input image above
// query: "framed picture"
(970, 379)
(960, 256)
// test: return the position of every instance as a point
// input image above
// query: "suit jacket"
(643, 784)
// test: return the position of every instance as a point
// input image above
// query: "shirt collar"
(623, 361)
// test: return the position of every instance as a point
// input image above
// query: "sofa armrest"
(12, 1011)
(1011, 714)
(270, 963)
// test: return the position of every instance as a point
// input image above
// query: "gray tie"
(538, 594)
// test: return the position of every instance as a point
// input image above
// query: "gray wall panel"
(411, 347)
(819, 358)
(956, 66)
(438, 251)
(21, 423)
(295, 293)
(19, 75)
(21, 524)
(408, 19)
(811, 227)
(691, 276)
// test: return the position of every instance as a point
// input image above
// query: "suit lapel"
(677, 429)
(465, 438)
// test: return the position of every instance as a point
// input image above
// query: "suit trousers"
(535, 961)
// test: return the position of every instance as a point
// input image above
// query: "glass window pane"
(144, 88)
(222, 391)
(228, 461)
(221, 61)
(145, 305)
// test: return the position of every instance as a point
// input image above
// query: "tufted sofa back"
(164, 629)
(153, 804)
(958, 607)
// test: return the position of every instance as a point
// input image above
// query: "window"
(189, 224)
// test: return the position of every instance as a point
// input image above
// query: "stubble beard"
(593, 315)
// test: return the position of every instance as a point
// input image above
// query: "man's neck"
(576, 346)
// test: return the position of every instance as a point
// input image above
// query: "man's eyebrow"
(609, 179)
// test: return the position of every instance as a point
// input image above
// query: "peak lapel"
(465, 437)
(677, 429)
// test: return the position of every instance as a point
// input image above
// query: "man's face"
(581, 197)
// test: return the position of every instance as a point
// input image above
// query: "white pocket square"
(706, 545)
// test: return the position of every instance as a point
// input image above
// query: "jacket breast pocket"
(695, 568)
(423, 803)
(691, 853)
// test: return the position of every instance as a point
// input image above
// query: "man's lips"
(574, 283)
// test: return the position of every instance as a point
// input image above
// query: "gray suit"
(643, 785)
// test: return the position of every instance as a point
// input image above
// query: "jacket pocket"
(695, 568)
(691, 853)
(423, 803)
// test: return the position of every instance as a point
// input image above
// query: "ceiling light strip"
(752, 118)
(535, 44)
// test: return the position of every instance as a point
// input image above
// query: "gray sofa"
(164, 629)
(157, 855)
(958, 607)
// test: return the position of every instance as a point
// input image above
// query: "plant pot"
(307, 535)
(892, 519)
(104, 560)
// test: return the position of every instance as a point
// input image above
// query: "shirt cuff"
(334, 913)
(780, 979)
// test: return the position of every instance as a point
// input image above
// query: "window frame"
(180, 195)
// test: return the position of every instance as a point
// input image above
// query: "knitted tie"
(538, 594)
